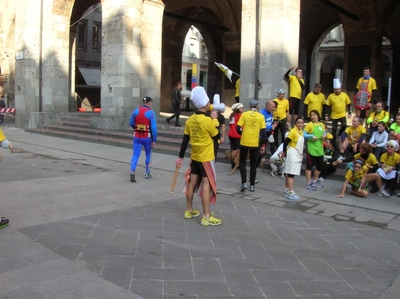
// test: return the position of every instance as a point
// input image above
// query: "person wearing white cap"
(281, 115)
(200, 176)
(234, 137)
(335, 108)
(251, 127)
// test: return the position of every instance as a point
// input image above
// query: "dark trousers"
(281, 127)
(253, 163)
(335, 123)
(177, 113)
(328, 169)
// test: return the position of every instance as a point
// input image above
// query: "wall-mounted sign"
(19, 55)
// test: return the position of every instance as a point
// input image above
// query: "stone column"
(273, 48)
(120, 62)
(27, 58)
(151, 41)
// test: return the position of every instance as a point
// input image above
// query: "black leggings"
(253, 163)
(282, 128)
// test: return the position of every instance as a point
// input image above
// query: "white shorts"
(4, 143)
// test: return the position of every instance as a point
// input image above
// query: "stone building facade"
(142, 40)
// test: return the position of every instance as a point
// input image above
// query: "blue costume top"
(269, 119)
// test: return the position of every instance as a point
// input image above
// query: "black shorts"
(294, 105)
(198, 168)
(317, 161)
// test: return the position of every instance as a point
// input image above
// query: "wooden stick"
(174, 180)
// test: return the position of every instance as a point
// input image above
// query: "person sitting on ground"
(331, 161)
(277, 162)
(367, 157)
(394, 131)
(4, 143)
(378, 140)
(351, 139)
(389, 166)
(358, 179)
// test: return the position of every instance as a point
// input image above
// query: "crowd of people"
(370, 151)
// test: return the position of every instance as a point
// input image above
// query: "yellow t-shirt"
(294, 136)
(390, 160)
(338, 104)
(371, 160)
(251, 122)
(379, 116)
(2, 137)
(282, 107)
(371, 84)
(354, 133)
(315, 102)
(201, 129)
(352, 175)
(295, 87)
(237, 87)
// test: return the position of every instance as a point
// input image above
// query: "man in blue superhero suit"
(143, 121)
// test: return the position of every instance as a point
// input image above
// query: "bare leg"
(308, 175)
(189, 197)
(316, 174)
(205, 199)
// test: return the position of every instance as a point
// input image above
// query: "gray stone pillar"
(131, 60)
(151, 41)
(269, 48)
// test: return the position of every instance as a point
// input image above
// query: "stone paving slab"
(75, 202)
(241, 258)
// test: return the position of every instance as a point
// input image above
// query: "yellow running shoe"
(210, 221)
(191, 214)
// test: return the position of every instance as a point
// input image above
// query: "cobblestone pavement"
(80, 229)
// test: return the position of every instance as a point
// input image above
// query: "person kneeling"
(358, 179)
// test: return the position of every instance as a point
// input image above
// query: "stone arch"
(215, 22)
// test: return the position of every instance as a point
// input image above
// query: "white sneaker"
(293, 196)
(383, 193)
(321, 180)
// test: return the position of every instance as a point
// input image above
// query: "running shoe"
(243, 187)
(191, 214)
(321, 179)
(4, 222)
(311, 187)
(317, 184)
(286, 193)
(383, 193)
(148, 175)
(133, 179)
(251, 188)
(293, 196)
(210, 221)
(274, 174)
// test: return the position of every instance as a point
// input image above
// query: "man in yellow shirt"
(200, 131)
(315, 100)
(365, 89)
(352, 137)
(251, 126)
(379, 115)
(237, 90)
(281, 115)
(296, 87)
(335, 109)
